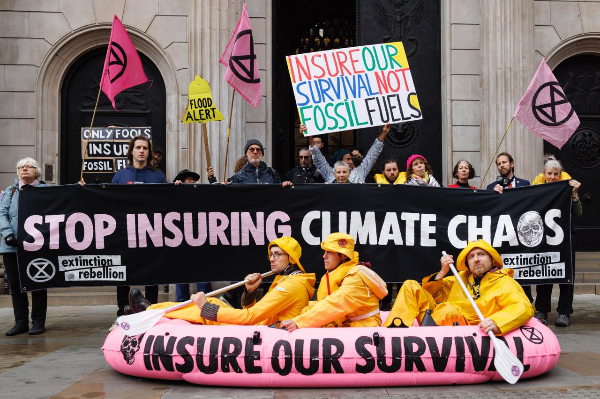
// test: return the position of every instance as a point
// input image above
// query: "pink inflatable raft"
(260, 356)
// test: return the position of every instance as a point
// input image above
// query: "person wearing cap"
(288, 295)
(157, 156)
(344, 155)
(358, 174)
(500, 298)
(349, 292)
(419, 173)
(186, 176)
(256, 170)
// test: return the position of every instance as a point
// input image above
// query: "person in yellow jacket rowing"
(349, 293)
(499, 297)
(288, 295)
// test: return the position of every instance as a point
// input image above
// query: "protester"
(157, 157)
(182, 291)
(349, 292)
(507, 179)
(288, 295)
(358, 153)
(552, 172)
(318, 141)
(28, 173)
(357, 175)
(255, 171)
(210, 174)
(341, 171)
(500, 298)
(391, 173)
(419, 173)
(139, 171)
(463, 171)
(305, 172)
(344, 155)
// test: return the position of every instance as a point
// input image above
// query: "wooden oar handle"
(216, 292)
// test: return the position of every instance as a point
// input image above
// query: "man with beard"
(391, 174)
(305, 172)
(507, 178)
(499, 297)
(255, 171)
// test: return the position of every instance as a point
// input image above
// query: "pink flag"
(240, 59)
(545, 109)
(122, 65)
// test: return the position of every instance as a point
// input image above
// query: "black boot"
(137, 302)
(38, 327)
(21, 327)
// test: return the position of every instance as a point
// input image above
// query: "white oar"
(507, 364)
(138, 323)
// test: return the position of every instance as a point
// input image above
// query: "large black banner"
(160, 234)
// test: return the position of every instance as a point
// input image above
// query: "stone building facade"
(489, 48)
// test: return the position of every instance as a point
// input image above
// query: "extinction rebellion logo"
(546, 112)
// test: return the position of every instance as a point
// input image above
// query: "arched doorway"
(580, 78)
(143, 105)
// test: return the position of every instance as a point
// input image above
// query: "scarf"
(34, 183)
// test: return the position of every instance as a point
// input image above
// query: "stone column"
(211, 25)
(507, 67)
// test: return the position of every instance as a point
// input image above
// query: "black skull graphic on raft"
(530, 229)
(130, 346)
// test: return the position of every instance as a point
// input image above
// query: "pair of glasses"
(304, 157)
(254, 149)
(25, 167)
(275, 255)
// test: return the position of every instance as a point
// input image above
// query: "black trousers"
(151, 295)
(20, 300)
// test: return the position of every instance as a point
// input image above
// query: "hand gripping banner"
(162, 234)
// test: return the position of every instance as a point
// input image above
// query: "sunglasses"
(304, 157)
(254, 149)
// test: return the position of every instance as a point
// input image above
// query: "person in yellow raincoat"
(390, 173)
(499, 297)
(349, 293)
(288, 295)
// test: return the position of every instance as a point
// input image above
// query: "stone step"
(82, 298)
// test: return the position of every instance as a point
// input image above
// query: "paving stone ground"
(66, 362)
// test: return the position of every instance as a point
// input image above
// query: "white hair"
(550, 162)
(341, 164)
(32, 162)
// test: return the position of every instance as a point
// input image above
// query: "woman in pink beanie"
(419, 173)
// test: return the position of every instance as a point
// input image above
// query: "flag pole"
(85, 150)
(495, 152)
(228, 134)
(206, 150)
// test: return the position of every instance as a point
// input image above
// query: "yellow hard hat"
(341, 243)
(461, 261)
(291, 247)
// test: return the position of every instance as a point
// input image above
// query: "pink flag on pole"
(122, 65)
(240, 59)
(545, 109)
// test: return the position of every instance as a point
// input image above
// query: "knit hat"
(185, 173)
(291, 247)
(254, 142)
(341, 243)
(461, 261)
(412, 158)
(157, 150)
(339, 155)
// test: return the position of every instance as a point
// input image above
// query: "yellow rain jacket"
(540, 179)
(502, 298)
(401, 179)
(286, 298)
(347, 297)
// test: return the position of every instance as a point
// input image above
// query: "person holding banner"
(499, 297)
(255, 171)
(391, 173)
(139, 171)
(463, 171)
(349, 292)
(341, 171)
(288, 295)
(358, 174)
(553, 171)
(419, 173)
(507, 179)
(28, 173)
(305, 172)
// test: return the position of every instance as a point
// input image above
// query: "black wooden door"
(143, 105)
(416, 23)
(580, 78)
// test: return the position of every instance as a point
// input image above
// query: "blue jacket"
(518, 183)
(9, 211)
(131, 175)
(261, 175)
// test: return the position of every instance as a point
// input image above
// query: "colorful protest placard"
(201, 107)
(353, 88)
